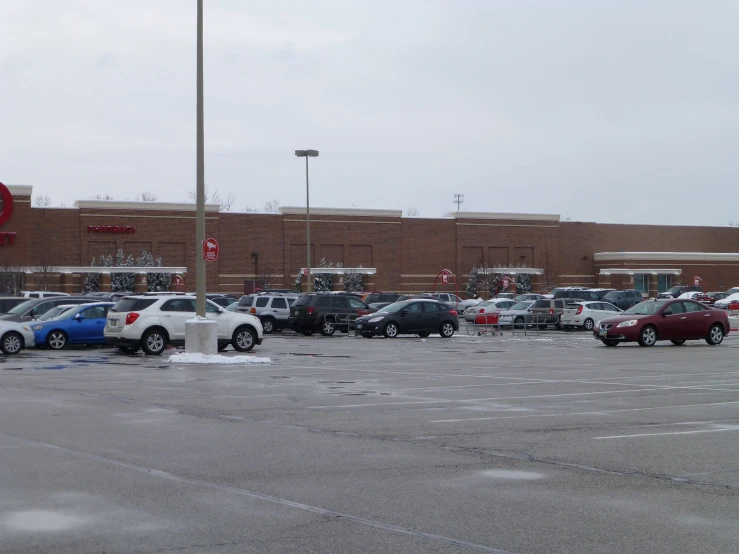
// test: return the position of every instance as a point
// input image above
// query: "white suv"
(152, 322)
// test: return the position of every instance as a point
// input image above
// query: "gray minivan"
(36, 307)
(273, 310)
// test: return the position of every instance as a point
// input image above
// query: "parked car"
(273, 310)
(232, 307)
(33, 308)
(673, 320)
(152, 322)
(623, 299)
(377, 306)
(602, 292)
(732, 290)
(488, 306)
(380, 297)
(575, 294)
(41, 294)
(420, 317)
(14, 337)
(81, 324)
(464, 304)
(725, 302)
(587, 314)
(713, 297)
(506, 296)
(308, 313)
(548, 311)
(222, 300)
(674, 292)
(528, 296)
(57, 312)
(517, 315)
(9, 302)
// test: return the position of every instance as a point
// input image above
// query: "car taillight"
(253, 311)
(551, 311)
(362, 312)
(454, 313)
(480, 310)
(311, 310)
(131, 317)
(579, 310)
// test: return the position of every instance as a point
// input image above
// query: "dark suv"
(575, 294)
(674, 292)
(308, 313)
(623, 299)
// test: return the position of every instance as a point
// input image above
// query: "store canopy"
(342, 270)
(511, 270)
(640, 271)
(99, 269)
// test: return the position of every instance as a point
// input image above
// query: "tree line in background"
(126, 282)
(484, 278)
(324, 282)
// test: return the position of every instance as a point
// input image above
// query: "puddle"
(39, 521)
(355, 394)
(512, 474)
(13, 368)
(53, 367)
(279, 377)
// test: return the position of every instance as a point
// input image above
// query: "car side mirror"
(404, 313)
(79, 317)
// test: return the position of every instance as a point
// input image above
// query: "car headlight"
(35, 327)
(376, 319)
(629, 323)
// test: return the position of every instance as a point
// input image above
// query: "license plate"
(113, 323)
(359, 325)
(604, 332)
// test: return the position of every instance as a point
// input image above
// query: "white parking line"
(596, 412)
(670, 433)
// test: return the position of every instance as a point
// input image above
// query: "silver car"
(518, 315)
(273, 310)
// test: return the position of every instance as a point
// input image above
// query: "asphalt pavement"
(548, 443)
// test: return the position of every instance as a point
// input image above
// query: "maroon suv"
(673, 320)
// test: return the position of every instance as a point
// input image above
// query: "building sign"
(210, 250)
(6, 238)
(127, 229)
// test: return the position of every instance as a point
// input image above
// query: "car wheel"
(648, 336)
(715, 335)
(153, 342)
(518, 323)
(447, 330)
(328, 328)
(128, 349)
(677, 342)
(268, 325)
(390, 331)
(558, 325)
(609, 342)
(588, 324)
(222, 347)
(244, 339)
(424, 334)
(12, 343)
(56, 340)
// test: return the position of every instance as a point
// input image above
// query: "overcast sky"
(603, 111)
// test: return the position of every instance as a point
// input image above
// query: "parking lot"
(548, 443)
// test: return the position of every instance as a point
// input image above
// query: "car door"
(431, 317)
(698, 319)
(673, 323)
(411, 318)
(215, 312)
(87, 326)
(280, 310)
(174, 313)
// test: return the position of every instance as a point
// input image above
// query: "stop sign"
(210, 249)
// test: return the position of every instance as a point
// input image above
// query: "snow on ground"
(198, 358)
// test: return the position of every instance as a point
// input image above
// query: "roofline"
(294, 210)
(135, 205)
(669, 256)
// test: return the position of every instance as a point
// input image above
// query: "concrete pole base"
(201, 336)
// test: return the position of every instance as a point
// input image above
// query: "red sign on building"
(127, 229)
(6, 238)
(210, 250)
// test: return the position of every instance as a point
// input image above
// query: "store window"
(664, 282)
(641, 283)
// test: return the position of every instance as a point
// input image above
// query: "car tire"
(424, 334)
(518, 323)
(56, 340)
(558, 325)
(715, 335)
(648, 336)
(154, 342)
(222, 347)
(307, 332)
(244, 339)
(327, 328)
(12, 343)
(390, 330)
(588, 324)
(268, 325)
(128, 349)
(447, 330)
(677, 342)
(609, 342)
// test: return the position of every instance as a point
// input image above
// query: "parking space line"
(667, 433)
(595, 412)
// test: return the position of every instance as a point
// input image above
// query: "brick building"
(408, 253)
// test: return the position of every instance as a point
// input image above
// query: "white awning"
(99, 269)
(640, 271)
(511, 270)
(341, 270)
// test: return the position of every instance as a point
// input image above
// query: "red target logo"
(7, 204)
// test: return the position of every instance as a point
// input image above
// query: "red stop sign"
(210, 249)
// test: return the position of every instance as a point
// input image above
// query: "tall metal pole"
(200, 194)
(307, 221)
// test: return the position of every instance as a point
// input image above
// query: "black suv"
(623, 299)
(674, 292)
(575, 294)
(308, 313)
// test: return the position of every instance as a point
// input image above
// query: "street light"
(307, 154)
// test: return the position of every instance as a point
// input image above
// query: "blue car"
(81, 324)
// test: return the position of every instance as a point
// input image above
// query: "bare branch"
(42, 200)
(412, 212)
(271, 206)
(147, 197)
(228, 201)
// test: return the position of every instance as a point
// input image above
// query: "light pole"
(200, 178)
(307, 154)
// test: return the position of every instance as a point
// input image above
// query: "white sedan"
(728, 300)
(488, 307)
(587, 314)
(14, 337)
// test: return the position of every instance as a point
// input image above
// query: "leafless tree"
(11, 279)
(42, 201)
(549, 266)
(228, 201)
(211, 197)
(412, 212)
(101, 197)
(147, 197)
(447, 213)
(249, 210)
(272, 206)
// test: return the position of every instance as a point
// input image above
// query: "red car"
(674, 320)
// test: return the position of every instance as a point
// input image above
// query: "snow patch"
(198, 358)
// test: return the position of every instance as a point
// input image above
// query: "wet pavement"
(548, 443)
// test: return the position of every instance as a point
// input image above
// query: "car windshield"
(393, 308)
(55, 313)
(613, 295)
(644, 308)
(232, 306)
(521, 306)
(23, 308)
(673, 290)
